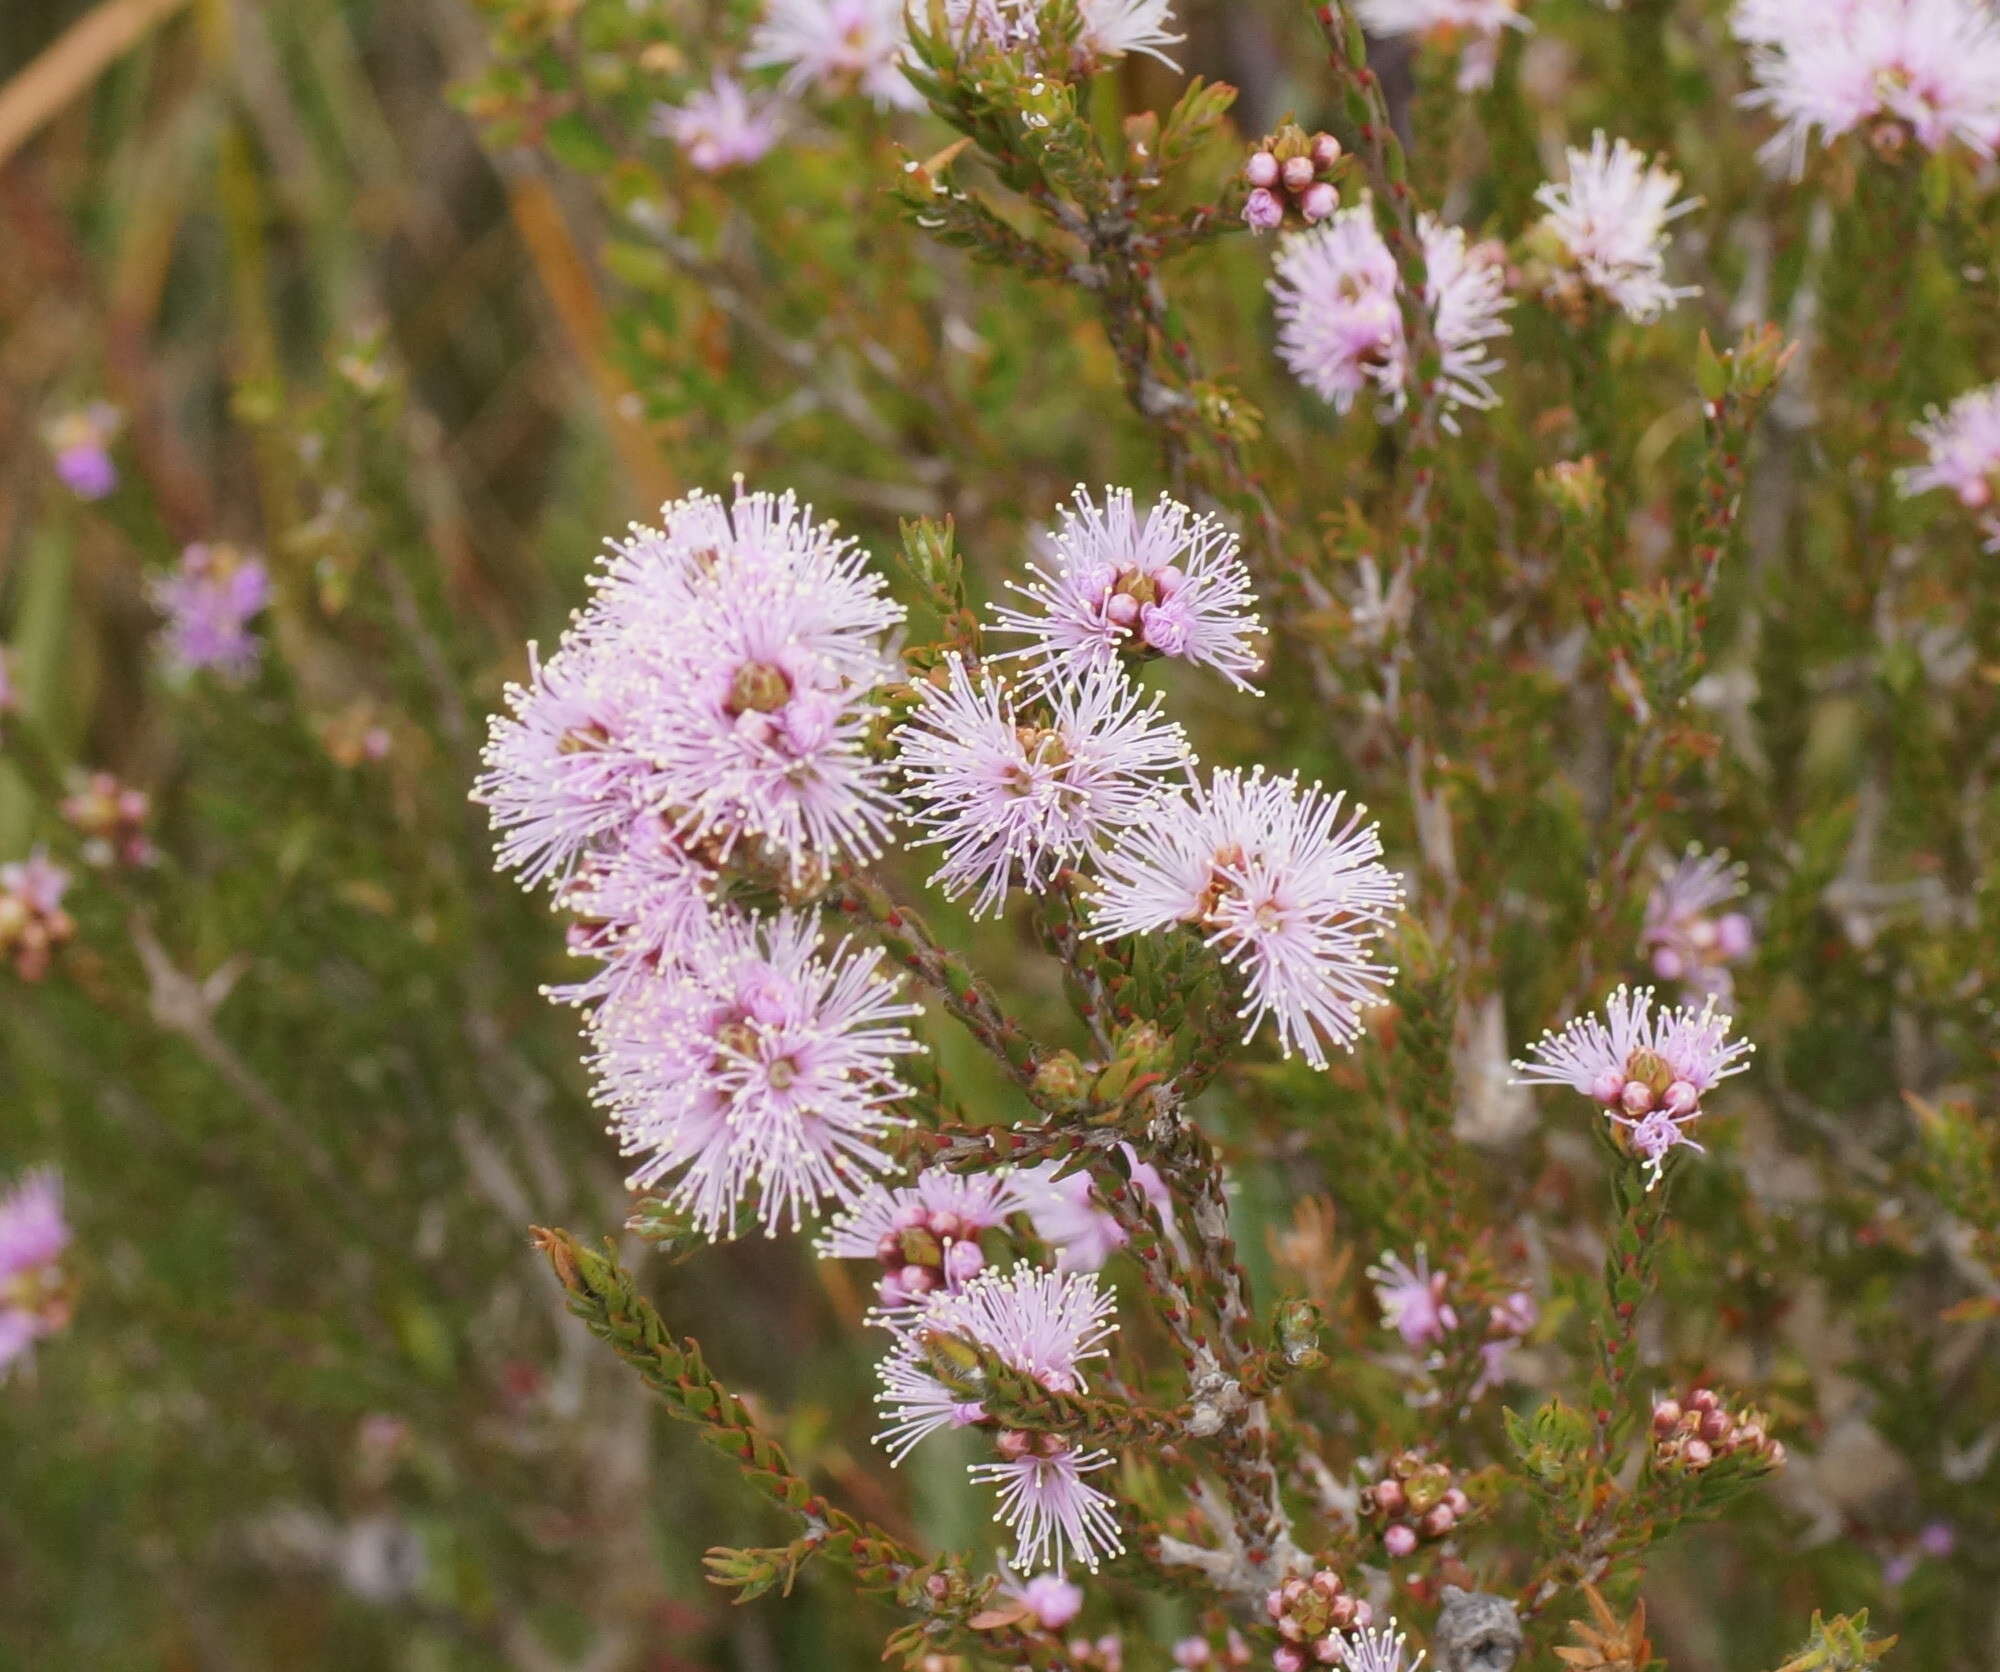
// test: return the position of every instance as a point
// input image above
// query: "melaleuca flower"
(1108, 29)
(34, 1296)
(1476, 24)
(1050, 1599)
(1927, 70)
(1287, 889)
(1309, 1613)
(840, 46)
(1048, 1326)
(1963, 443)
(111, 818)
(1685, 937)
(1340, 325)
(1412, 1298)
(721, 677)
(1013, 795)
(756, 1073)
(1068, 1215)
(81, 442)
(635, 908)
(33, 923)
(1648, 1069)
(720, 126)
(1171, 585)
(924, 1235)
(1607, 226)
(208, 602)
(1377, 1649)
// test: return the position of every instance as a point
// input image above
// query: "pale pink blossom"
(1473, 25)
(924, 1235)
(34, 1298)
(721, 126)
(1412, 1298)
(1013, 791)
(838, 46)
(1609, 222)
(1686, 937)
(209, 600)
(1108, 28)
(1115, 586)
(81, 442)
(1962, 444)
(1283, 881)
(1647, 1068)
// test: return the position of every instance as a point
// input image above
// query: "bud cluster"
(1198, 1654)
(1416, 1504)
(112, 819)
(1310, 1614)
(1292, 173)
(1691, 1434)
(925, 1250)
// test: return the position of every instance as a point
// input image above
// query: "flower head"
(721, 677)
(1051, 1598)
(208, 602)
(81, 442)
(840, 46)
(636, 908)
(1608, 225)
(721, 126)
(1070, 1217)
(1012, 798)
(1412, 1298)
(1474, 24)
(1285, 885)
(1378, 1649)
(34, 1298)
(1108, 28)
(1687, 939)
(1647, 1068)
(755, 1073)
(925, 1235)
(1340, 325)
(1926, 70)
(1048, 1326)
(1963, 444)
(1170, 584)
(33, 923)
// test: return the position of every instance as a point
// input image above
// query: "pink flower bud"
(1400, 1539)
(1325, 151)
(1704, 1399)
(1342, 1612)
(1458, 1502)
(1298, 173)
(1122, 608)
(1286, 1658)
(1734, 936)
(1681, 1099)
(1439, 1521)
(1320, 201)
(1715, 1426)
(1327, 1650)
(918, 1280)
(1636, 1099)
(963, 1260)
(1697, 1454)
(1274, 1603)
(1262, 211)
(1390, 1497)
(1666, 1413)
(1261, 169)
(1364, 1614)
(1607, 1087)
(1668, 964)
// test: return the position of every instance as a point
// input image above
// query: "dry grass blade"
(76, 59)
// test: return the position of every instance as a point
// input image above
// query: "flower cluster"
(1962, 444)
(1105, 29)
(1284, 883)
(81, 443)
(1114, 587)
(1693, 1433)
(1292, 172)
(33, 924)
(112, 819)
(1047, 1326)
(1312, 1613)
(1897, 71)
(35, 1296)
(1340, 324)
(1649, 1069)
(925, 1236)
(1605, 231)
(721, 126)
(209, 601)
(1686, 937)
(838, 46)
(1414, 1502)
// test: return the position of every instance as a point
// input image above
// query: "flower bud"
(1262, 211)
(1439, 1521)
(1389, 1497)
(1320, 200)
(1666, 1413)
(1636, 1099)
(1400, 1539)
(1261, 169)
(1297, 173)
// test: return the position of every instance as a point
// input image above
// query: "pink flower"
(721, 126)
(1477, 23)
(1110, 28)
(925, 1235)
(758, 1072)
(1686, 938)
(33, 923)
(1340, 326)
(1963, 443)
(1610, 222)
(208, 602)
(1050, 1597)
(1928, 69)
(34, 1300)
(839, 46)
(81, 442)
(1170, 585)
(1377, 1649)
(1290, 893)
(1412, 1299)
(1046, 1325)
(636, 908)
(1648, 1069)
(1012, 793)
